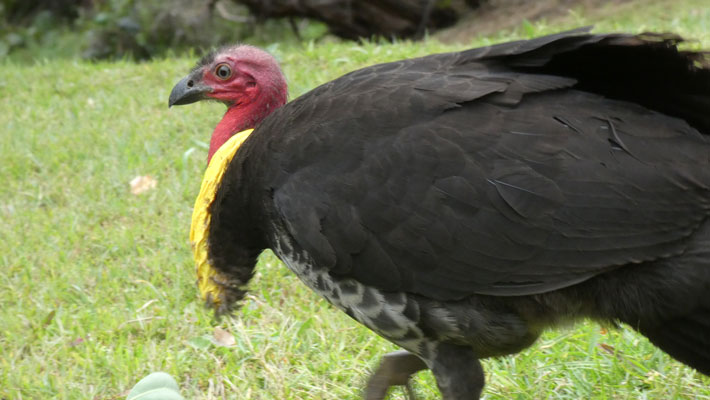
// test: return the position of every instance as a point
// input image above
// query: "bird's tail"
(685, 338)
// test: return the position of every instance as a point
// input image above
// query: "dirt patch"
(499, 15)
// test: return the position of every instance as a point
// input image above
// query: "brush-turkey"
(459, 204)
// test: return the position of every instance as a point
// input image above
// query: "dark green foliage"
(110, 29)
(141, 30)
(24, 24)
(19, 10)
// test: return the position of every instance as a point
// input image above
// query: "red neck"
(235, 120)
(247, 114)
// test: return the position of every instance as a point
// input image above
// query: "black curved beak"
(189, 90)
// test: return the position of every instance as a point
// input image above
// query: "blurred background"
(144, 29)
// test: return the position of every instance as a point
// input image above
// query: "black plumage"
(458, 204)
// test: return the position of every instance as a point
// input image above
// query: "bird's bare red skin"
(255, 88)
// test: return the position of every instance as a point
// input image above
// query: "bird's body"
(461, 203)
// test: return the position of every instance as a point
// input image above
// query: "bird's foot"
(395, 369)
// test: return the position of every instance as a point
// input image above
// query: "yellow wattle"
(207, 275)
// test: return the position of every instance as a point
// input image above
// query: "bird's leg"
(409, 392)
(395, 369)
(458, 372)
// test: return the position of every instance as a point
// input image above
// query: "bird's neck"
(235, 120)
(246, 116)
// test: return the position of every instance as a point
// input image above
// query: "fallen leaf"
(142, 183)
(223, 338)
(608, 348)
(157, 385)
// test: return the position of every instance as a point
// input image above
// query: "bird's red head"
(247, 79)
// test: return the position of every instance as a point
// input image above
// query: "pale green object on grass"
(156, 386)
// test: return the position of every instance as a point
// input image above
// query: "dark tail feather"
(686, 338)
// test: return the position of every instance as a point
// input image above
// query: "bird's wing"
(448, 182)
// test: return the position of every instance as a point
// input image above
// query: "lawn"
(97, 283)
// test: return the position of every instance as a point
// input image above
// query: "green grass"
(97, 285)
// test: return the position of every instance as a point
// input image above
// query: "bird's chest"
(394, 316)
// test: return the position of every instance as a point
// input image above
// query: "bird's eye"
(223, 71)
